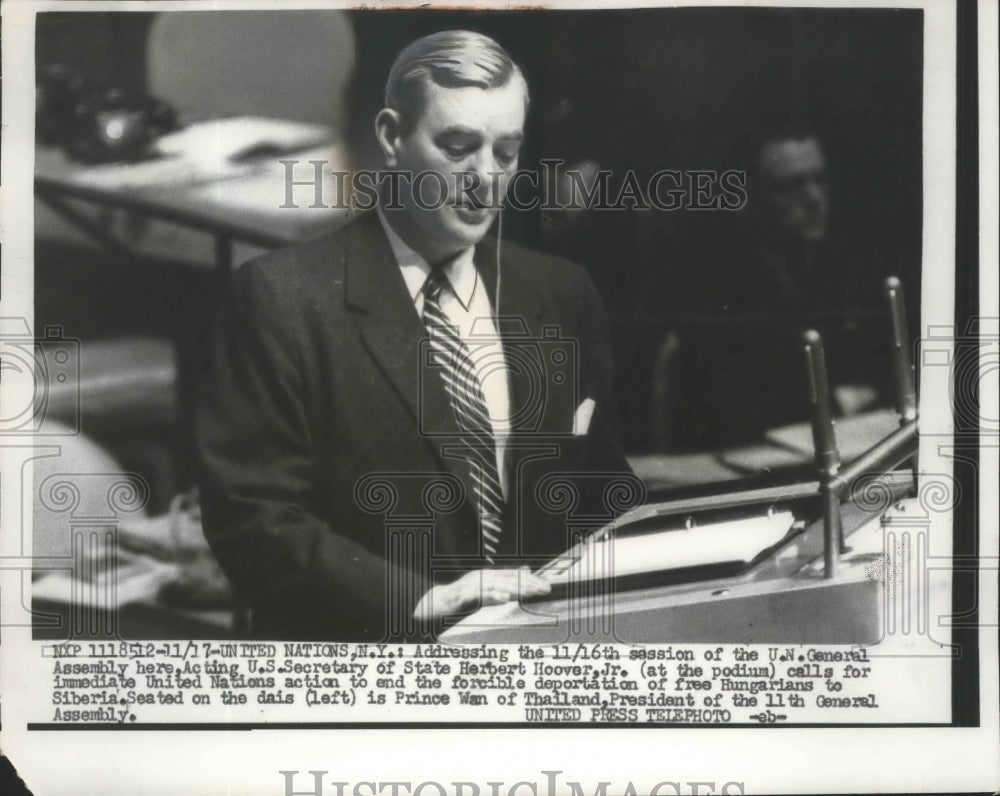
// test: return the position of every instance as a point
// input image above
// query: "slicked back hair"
(451, 59)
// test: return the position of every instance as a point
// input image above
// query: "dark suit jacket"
(330, 490)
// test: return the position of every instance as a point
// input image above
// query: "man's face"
(467, 130)
(793, 189)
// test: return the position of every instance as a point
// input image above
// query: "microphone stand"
(835, 482)
(827, 455)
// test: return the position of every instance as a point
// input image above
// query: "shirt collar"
(461, 270)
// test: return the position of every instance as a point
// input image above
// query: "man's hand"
(484, 586)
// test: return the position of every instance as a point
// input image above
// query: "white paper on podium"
(610, 556)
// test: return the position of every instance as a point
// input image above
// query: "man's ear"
(388, 130)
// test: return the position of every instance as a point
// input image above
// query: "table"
(244, 203)
(782, 449)
(142, 620)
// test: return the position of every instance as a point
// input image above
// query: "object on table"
(105, 577)
(96, 122)
(197, 582)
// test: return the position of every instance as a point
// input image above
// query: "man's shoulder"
(325, 253)
(314, 267)
(548, 272)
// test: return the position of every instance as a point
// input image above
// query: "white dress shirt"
(467, 305)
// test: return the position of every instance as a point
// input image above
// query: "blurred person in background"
(777, 268)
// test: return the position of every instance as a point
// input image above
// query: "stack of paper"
(613, 556)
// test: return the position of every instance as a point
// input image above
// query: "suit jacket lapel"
(396, 338)
(541, 388)
(393, 333)
(519, 312)
(537, 399)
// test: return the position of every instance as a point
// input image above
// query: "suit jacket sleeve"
(257, 481)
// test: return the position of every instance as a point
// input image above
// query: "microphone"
(824, 441)
(825, 445)
(902, 363)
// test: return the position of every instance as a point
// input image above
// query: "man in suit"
(404, 416)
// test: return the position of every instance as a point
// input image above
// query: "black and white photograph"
(458, 377)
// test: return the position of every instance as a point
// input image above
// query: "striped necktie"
(469, 405)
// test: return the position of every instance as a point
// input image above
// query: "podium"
(784, 598)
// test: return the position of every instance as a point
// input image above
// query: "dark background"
(638, 89)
